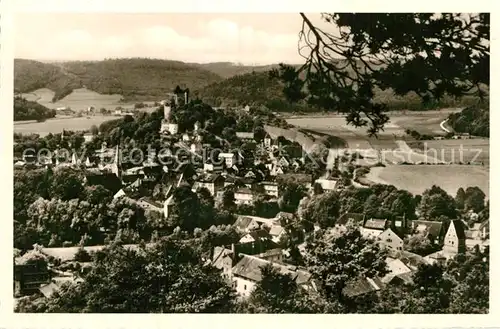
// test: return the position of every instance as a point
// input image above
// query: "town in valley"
(228, 197)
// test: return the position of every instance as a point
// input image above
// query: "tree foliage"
(432, 55)
(165, 278)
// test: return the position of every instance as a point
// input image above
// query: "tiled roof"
(359, 287)
(408, 258)
(276, 230)
(259, 235)
(376, 224)
(242, 222)
(432, 228)
(459, 228)
(218, 257)
(249, 268)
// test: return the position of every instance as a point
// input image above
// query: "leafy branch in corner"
(432, 55)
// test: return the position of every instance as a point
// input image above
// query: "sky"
(252, 39)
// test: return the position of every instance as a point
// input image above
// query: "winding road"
(443, 127)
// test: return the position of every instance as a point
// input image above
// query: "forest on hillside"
(133, 78)
(472, 120)
(27, 110)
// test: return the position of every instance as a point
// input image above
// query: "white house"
(390, 240)
(271, 188)
(229, 159)
(372, 228)
(327, 184)
(173, 128)
(213, 182)
(243, 196)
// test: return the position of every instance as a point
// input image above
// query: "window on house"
(245, 287)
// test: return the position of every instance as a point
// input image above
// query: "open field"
(425, 122)
(79, 99)
(417, 178)
(455, 151)
(58, 124)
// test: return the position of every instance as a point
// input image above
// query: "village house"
(276, 232)
(271, 188)
(149, 204)
(229, 159)
(212, 166)
(30, 272)
(398, 273)
(272, 255)
(327, 184)
(88, 137)
(389, 239)
(257, 238)
(432, 230)
(247, 273)
(268, 141)
(275, 169)
(245, 136)
(243, 195)
(478, 235)
(213, 182)
(362, 286)
(246, 224)
(372, 228)
(454, 243)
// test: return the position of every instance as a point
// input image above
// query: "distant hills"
(220, 83)
(135, 79)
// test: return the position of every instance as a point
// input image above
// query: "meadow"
(79, 99)
(417, 178)
(456, 150)
(425, 122)
(58, 124)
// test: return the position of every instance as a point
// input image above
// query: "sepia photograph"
(244, 163)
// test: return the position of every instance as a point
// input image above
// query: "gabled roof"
(276, 230)
(459, 228)
(360, 286)
(375, 224)
(219, 254)
(260, 235)
(432, 228)
(243, 190)
(242, 222)
(249, 268)
(151, 202)
(408, 258)
(327, 184)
